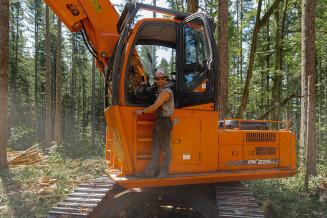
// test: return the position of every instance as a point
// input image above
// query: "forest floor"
(20, 194)
(287, 197)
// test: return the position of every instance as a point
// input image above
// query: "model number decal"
(252, 162)
(262, 161)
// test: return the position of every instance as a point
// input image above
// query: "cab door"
(193, 147)
(196, 80)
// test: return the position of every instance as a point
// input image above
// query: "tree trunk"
(93, 103)
(4, 54)
(262, 82)
(304, 93)
(325, 114)
(36, 68)
(319, 103)
(277, 78)
(48, 80)
(58, 118)
(308, 71)
(72, 93)
(192, 6)
(241, 40)
(223, 57)
(268, 56)
(311, 130)
(84, 114)
(16, 105)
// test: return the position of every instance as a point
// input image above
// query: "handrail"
(287, 123)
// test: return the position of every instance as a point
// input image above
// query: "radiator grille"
(260, 137)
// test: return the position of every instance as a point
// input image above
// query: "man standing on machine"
(163, 108)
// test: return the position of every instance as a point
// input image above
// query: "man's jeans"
(161, 140)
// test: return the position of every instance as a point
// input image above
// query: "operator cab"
(183, 46)
(156, 46)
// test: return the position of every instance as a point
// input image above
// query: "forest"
(273, 65)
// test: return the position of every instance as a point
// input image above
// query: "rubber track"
(235, 200)
(86, 200)
(89, 199)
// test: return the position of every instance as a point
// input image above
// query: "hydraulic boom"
(97, 20)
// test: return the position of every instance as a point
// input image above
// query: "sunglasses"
(161, 78)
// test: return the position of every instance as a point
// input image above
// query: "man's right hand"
(139, 112)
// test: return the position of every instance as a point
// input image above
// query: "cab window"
(196, 53)
(154, 47)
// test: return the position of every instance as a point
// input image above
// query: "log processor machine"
(207, 151)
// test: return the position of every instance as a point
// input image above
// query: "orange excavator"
(209, 155)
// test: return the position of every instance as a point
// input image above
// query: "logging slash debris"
(29, 156)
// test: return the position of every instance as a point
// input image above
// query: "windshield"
(155, 57)
(140, 83)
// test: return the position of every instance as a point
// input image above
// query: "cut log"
(30, 156)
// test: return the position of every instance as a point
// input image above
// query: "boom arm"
(96, 19)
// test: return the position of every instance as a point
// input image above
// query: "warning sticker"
(187, 156)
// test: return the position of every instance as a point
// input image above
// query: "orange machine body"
(203, 151)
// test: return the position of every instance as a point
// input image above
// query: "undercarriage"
(103, 198)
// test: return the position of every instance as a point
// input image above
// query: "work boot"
(162, 174)
(146, 174)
